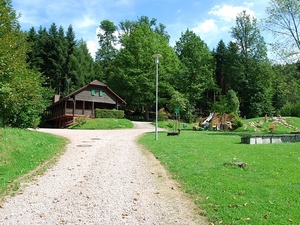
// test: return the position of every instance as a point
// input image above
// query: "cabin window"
(96, 92)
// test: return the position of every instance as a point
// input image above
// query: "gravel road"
(104, 177)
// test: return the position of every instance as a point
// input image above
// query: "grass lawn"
(103, 123)
(25, 152)
(282, 126)
(267, 191)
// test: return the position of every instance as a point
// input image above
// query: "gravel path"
(104, 177)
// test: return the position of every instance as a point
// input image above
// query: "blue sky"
(210, 19)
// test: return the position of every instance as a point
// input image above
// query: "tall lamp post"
(156, 56)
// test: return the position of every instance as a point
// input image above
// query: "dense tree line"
(236, 77)
(21, 92)
(65, 63)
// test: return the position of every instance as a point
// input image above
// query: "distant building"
(82, 102)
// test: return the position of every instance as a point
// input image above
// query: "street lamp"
(156, 56)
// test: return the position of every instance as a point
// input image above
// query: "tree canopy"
(133, 74)
(255, 73)
(197, 67)
(283, 22)
(21, 94)
(236, 76)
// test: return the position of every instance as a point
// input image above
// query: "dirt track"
(104, 177)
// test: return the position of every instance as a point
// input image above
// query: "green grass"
(171, 125)
(258, 125)
(24, 151)
(104, 123)
(266, 192)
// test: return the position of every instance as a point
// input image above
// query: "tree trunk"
(146, 113)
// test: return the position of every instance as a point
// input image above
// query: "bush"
(188, 116)
(290, 109)
(286, 110)
(296, 109)
(81, 120)
(162, 115)
(108, 113)
(238, 122)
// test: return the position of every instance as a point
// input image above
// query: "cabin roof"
(95, 83)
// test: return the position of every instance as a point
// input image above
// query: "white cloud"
(85, 22)
(207, 26)
(92, 45)
(228, 13)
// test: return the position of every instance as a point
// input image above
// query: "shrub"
(238, 122)
(286, 110)
(296, 109)
(291, 109)
(108, 113)
(162, 115)
(81, 120)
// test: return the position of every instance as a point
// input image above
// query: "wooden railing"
(63, 112)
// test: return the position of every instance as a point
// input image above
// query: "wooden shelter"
(82, 102)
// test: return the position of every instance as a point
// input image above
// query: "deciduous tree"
(197, 67)
(283, 22)
(21, 92)
(254, 80)
(133, 75)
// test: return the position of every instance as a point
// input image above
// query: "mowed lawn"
(267, 191)
(23, 154)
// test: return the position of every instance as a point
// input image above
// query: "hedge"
(108, 113)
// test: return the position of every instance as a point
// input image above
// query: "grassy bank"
(259, 125)
(265, 192)
(25, 153)
(103, 124)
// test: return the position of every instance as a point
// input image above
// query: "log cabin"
(82, 102)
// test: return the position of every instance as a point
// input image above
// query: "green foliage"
(190, 75)
(286, 110)
(134, 69)
(197, 66)
(103, 123)
(259, 125)
(253, 82)
(107, 51)
(65, 62)
(233, 102)
(178, 100)
(286, 85)
(83, 69)
(290, 109)
(128, 26)
(227, 104)
(23, 151)
(238, 122)
(187, 115)
(228, 194)
(172, 124)
(107, 113)
(221, 56)
(21, 92)
(162, 115)
(81, 120)
(282, 22)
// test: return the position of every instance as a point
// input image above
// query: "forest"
(235, 77)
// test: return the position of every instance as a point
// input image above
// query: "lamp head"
(156, 56)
